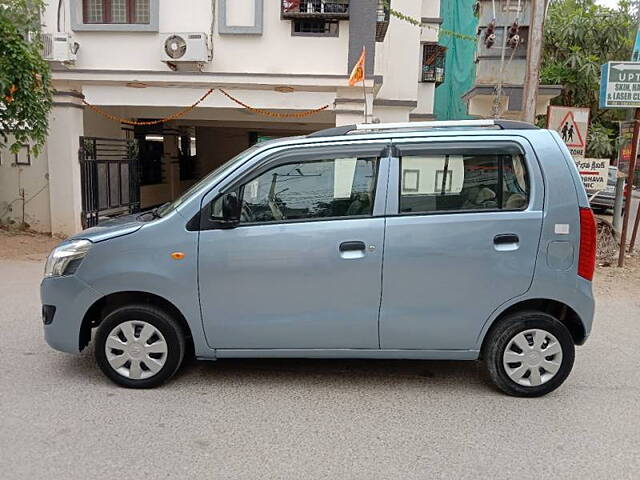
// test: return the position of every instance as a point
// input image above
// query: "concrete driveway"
(60, 418)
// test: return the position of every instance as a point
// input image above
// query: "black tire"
(168, 327)
(499, 338)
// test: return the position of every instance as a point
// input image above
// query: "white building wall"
(66, 126)
(429, 34)
(182, 97)
(253, 67)
(274, 51)
(426, 98)
(98, 126)
(430, 8)
(396, 56)
(399, 61)
(30, 180)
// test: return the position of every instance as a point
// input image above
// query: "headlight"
(65, 259)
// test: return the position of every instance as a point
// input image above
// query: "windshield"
(168, 207)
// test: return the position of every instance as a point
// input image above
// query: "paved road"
(59, 418)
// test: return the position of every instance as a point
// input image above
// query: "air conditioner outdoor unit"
(185, 47)
(59, 47)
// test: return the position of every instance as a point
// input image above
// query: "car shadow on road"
(291, 372)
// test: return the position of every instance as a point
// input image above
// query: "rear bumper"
(585, 306)
(68, 298)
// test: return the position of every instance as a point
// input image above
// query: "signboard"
(594, 173)
(620, 85)
(571, 123)
(624, 154)
(635, 56)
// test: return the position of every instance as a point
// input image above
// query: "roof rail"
(376, 127)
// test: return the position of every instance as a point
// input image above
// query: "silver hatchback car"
(436, 240)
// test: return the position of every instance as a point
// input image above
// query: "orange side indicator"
(177, 255)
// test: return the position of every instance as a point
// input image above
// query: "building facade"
(121, 66)
(501, 60)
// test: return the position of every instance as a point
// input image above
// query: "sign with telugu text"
(594, 173)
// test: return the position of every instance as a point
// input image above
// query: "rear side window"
(463, 182)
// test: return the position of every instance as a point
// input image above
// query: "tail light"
(588, 233)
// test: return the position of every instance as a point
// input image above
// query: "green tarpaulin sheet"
(460, 70)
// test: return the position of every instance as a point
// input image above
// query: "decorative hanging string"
(268, 113)
(183, 112)
(418, 23)
(126, 121)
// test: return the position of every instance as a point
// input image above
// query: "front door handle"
(352, 246)
(505, 238)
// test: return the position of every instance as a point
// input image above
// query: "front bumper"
(71, 298)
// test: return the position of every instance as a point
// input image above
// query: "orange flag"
(357, 74)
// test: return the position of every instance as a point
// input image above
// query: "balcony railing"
(433, 63)
(382, 19)
(315, 9)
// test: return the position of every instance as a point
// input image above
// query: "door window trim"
(455, 148)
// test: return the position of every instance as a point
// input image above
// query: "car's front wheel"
(139, 346)
(529, 354)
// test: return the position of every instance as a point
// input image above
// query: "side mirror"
(230, 209)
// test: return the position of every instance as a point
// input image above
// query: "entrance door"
(461, 239)
(302, 270)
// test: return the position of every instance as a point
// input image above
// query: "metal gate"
(110, 178)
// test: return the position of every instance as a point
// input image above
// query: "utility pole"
(630, 175)
(534, 56)
(632, 172)
(635, 229)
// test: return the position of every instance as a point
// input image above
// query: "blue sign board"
(635, 56)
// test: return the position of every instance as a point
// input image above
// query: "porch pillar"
(171, 162)
(65, 129)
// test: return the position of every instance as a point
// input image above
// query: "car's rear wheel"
(529, 354)
(139, 346)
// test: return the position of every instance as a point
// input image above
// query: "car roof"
(447, 125)
(383, 131)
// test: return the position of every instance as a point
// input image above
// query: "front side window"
(332, 188)
(116, 11)
(464, 182)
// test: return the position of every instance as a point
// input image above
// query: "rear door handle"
(351, 246)
(505, 238)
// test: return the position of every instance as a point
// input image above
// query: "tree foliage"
(26, 93)
(579, 36)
